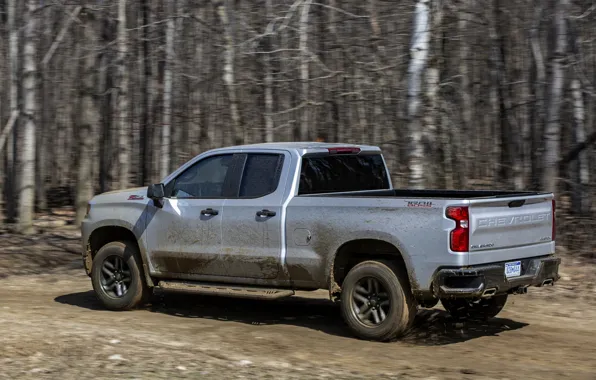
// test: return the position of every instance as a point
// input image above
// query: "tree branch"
(11, 122)
(573, 153)
(60, 36)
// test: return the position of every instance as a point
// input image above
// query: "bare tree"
(9, 130)
(552, 132)
(89, 118)
(229, 70)
(467, 94)
(304, 71)
(419, 53)
(124, 125)
(581, 181)
(463, 140)
(145, 99)
(437, 165)
(30, 109)
(510, 171)
(167, 93)
(268, 75)
(538, 112)
(198, 133)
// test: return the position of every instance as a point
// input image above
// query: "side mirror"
(156, 192)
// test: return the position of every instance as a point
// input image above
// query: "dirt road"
(51, 326)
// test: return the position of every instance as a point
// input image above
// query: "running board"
(226, 290)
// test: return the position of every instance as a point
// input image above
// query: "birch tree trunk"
(304, 70)
(30, 108)
(378, 120)
(124, 127)
(167, 94)
(229, 70)
(145, 136)
(337, 103)
(419, 54)
(13, 43)
(42, 139)
(552, 132)
(439, 165)
(580, 199)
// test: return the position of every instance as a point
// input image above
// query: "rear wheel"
(482, 309)
(117, 276)
(375, 303)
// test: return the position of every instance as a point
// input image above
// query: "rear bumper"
(489, 279)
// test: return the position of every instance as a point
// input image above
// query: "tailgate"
(510, 228)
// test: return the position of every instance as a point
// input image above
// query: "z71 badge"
(136, 198)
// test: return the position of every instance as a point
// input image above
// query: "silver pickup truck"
(266, 220)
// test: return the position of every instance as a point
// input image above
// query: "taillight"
(459, 238)
(554, 233)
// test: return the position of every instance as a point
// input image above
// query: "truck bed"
(434, 194)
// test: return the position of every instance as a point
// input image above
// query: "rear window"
(328, 174)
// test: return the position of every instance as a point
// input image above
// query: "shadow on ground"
(432, 327)
(24, 255)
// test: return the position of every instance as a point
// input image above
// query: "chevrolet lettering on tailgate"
(514, 220)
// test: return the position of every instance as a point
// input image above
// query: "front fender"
(136, 226)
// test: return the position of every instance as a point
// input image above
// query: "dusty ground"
(51, 326)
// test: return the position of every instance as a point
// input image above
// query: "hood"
(133, 194)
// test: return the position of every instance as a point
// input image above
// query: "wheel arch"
(357, 250)
(105, 234)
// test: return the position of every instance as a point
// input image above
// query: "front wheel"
(375, 303)
(482, 309)
(117, 276)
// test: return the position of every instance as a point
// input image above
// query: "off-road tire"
(481, 310)
(402, 306)
(138, 293)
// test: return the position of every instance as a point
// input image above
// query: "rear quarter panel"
(417, 228)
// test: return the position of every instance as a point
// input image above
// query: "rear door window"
(326, 174)
(261, 175)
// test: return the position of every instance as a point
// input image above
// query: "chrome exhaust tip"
(548, 281)
(489, 292)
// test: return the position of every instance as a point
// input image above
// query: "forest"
(99, 95)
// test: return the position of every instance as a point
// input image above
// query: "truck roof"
(304, 147)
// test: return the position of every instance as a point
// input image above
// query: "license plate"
(513, 269)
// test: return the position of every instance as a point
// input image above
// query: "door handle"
(209, 211)
(265, 213)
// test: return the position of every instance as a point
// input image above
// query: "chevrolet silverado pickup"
(267, 220)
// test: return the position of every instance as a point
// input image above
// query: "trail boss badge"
(420, 204)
